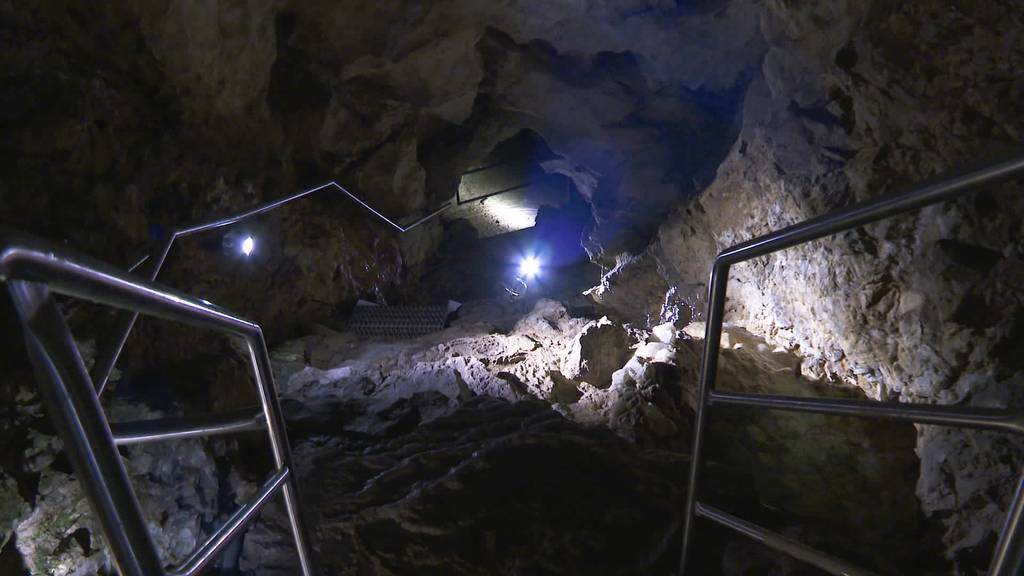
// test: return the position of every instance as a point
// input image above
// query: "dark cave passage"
(487, 335)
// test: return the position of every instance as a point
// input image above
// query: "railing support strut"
(1009, 556)
(32, 270)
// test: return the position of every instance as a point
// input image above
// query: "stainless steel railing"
(108, 359)
(33, 271)
(1008, 559)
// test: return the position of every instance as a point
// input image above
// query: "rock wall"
(841, 484)
(101, 154)
(52, 527)
(125, 119)
(137, 117)
(854, 100)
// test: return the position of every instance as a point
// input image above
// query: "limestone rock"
(12, 508)
(918, 308)
(839, 475)
(177, 487)
(665, 333)
(634, 289)
(754, 115)
(55, 537)
(600, 349)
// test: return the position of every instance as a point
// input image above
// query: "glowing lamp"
(529, 267)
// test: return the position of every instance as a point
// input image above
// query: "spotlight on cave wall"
(239, 243)
(529, 267)
(510, 215)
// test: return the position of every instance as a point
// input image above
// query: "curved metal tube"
(1009, 555)
(105, 364)
(238, 521)
(937, 414)
(26, 262)
(77, 417)
(827, 562)
(880, 208)
(834, 222)
(27, 258)
(161, 429)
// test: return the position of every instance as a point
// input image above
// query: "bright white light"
(510, 215)
(247, 245)
(529, 267)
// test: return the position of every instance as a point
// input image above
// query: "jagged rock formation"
(842, 484)
(406, 409)
(447, 450)
(919, 309)
(492, 488)
(178, 485)
(574, 363)
(462, 421)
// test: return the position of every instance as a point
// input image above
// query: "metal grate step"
(374, 321)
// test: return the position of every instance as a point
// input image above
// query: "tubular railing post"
(774, 540)
(74, 402)
(162, 429)
(1009, 555)
(75, 411)
(1008, 559)
(105, 364)
(279, 443)
(709, 370)
(936, 414)
(207, 553)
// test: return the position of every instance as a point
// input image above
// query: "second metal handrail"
(1008, 559)
(105, 363)
(32, 271)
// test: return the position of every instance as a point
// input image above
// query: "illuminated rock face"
(432, 420)
(184, 112)
(399, 99)
(924, 308)
(841, 484)
(177, 484)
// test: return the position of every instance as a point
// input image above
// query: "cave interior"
(482, 280)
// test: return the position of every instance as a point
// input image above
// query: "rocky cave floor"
(526, 438)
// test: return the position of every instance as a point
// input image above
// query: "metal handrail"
(32, 271)
(942, 415)
(105, 363)
(180, 428)
(238, 521)
(1008, 558)
(779, 542)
